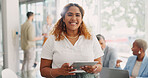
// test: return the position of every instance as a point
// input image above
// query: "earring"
(139, 52)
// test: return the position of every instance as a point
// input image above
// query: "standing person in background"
(137, 65)
(47, 28)
(70, 42)
(110, 56)
(28, 45)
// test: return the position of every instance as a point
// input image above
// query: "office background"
(120, 21)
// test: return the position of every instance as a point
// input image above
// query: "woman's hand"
(118, 63)
(91, 69)
(131, 77)
(66, 69)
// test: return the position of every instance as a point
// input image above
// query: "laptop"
(113, 73)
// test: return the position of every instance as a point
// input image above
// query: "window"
(1, 41)
(122, 21)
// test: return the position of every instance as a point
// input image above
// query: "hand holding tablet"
(77, 65)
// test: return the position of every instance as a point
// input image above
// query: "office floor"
(37, 68)
(37, 71)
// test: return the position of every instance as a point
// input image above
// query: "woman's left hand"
(91, 69)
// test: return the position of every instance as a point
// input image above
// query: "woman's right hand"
(118, 63)
(66, 69)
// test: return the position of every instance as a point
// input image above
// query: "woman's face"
(135, 49)
(49, 20)
(73, 18)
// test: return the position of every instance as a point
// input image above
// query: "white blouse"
(63, 51)
(136, 69)
(46, 29)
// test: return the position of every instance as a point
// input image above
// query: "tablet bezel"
(78, 64)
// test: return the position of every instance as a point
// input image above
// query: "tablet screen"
(78, 64)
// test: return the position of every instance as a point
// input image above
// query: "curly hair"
(60, 26)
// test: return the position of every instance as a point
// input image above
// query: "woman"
(47, 28)
(70, 42)
(137, 65)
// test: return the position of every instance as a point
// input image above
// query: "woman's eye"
(77, 15)
(69, 15)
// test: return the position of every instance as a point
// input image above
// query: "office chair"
(8, 73)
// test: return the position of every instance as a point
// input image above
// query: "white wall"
(10, 23)
(0, 30)
(146, 22)
(59, 7)
(98, 28)
(146, 19)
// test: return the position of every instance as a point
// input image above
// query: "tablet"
(77, 65)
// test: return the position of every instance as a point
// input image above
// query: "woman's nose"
(73, 17)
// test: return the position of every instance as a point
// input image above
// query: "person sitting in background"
(110, 56)
(47, 28)
(137, 65)
(70, 42)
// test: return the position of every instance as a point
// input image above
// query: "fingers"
(71, 73)
(70, 69)
(89, 69)
(64, 73)
(118, 63)
(68, 72)
(66, 69)
(65, 65)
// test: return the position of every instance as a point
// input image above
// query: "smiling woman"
(72, 16)
(137, 65)
(68, 43)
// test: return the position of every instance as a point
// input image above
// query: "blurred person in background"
(110, 56)
(47, 28)
(28, 45)
(70, 42)
(137, 65)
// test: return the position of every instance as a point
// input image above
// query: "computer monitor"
(113, 73)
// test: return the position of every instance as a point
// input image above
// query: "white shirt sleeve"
(48, 48)
(97, 48)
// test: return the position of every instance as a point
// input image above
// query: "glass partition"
(1, 41)
(41, 10)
